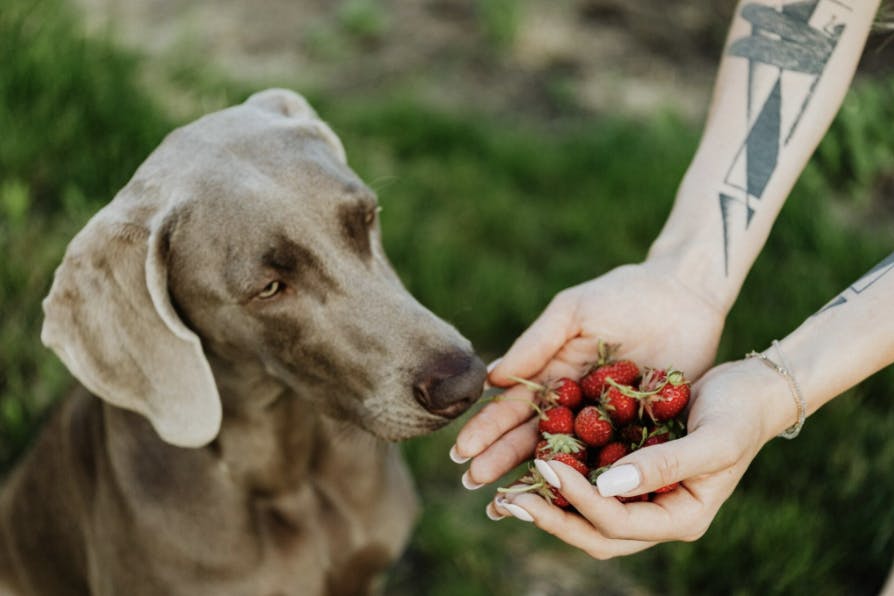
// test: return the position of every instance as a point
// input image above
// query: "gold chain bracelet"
(782, 368)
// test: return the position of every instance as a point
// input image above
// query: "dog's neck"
(272, 439)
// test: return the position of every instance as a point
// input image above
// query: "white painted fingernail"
(492, 513)
(493, 365)
(618, 480)
(456, 457)
(469, 483)
(518, 512)
(548, 473)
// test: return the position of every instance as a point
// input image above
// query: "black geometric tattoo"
(787, 51)
(862, 284)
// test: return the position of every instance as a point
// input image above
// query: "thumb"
(704, 451)
(539, 343)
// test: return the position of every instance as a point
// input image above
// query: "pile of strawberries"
(612, 410)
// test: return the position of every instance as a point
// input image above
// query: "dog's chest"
(317, 543)
(326, 524)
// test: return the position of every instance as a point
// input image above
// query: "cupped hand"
(735, 409)
(657, 319)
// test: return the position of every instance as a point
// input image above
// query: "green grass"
(485, 220)
(499, 20)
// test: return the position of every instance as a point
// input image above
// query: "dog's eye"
(271, 290)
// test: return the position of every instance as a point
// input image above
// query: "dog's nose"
(450, 383)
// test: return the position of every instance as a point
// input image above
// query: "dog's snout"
(450, 383)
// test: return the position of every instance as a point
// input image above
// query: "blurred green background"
(511, 162)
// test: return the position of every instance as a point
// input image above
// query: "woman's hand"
(657, 319)
(735, 409)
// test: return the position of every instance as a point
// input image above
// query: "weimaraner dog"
(255, 357)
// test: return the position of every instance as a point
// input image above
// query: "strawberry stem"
(529, 384)
(630, 391)
(520, 488)
(535, 407)
(675, 377)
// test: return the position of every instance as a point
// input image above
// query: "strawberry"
(634, 434)
(552, 444)
(670, 399)
(668, 488)
(557, 499)
(570, 460)
(593, 426)
(623, 372)
(620, 407)
(653, 379)
(566, 392)
(553, 495)
(643, 404)
(656, 438)
(542, 450)
(557, 420)
(610, 453)
(634, 499)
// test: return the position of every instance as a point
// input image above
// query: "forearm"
(782, 78)
(849, 339)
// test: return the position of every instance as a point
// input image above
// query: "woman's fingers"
(512, 449)
(681, 514)
(539, 343)
(647, 521)
(703, 451)
(505, 412)
(568, 527)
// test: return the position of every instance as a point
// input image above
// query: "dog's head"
(246, 243)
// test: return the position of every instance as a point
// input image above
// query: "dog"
(255, 357)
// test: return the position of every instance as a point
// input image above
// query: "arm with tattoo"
(847, 340)
(783, 75)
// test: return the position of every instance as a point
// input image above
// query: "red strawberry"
(567, 393)
(621, 408)
(593, 426)
(560, 443)
(556, 420)
(570, 460)
(623, 372)
(668, 488)
(656, 438)
(557, 499)
(542, 451)
(634, 434)
(634, 499)
(611, 453)
(652, 379)
(670, 399)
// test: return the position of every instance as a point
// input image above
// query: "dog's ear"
(291, 105)
(109, 318)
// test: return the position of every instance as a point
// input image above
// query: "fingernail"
(548, 473)
(517, 512)
(456, 457)
(618, 480)
(469, 483)
(490, 367)
(492, 513)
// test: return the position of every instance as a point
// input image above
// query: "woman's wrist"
(765, 392)
(776, 361)
(693, 263)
